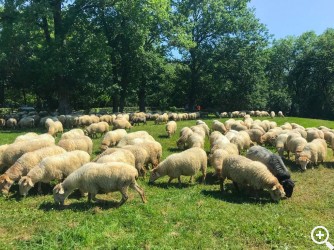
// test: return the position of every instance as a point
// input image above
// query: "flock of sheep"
(34, 158)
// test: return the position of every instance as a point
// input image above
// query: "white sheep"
(130, 138)
(187, 163)
(72, 134)
(280, 144)
(243, 171)
(125, 156)
(171, 128)
(280, 114)
(142, 157)
(242, 140)
(15, 150)
(55, 167)
(83, 143)
(95, 128)
(24, 164)
(111, 138)
(217, 157)
(53, 127)
(121, 124)
(314, 152)
(184, 134)
(11, 123)
(295, 145)
(26, 137)
(95, 177)
(218, 126)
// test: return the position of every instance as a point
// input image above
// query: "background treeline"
(160, 53)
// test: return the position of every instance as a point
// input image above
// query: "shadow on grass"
(328, 164)
(163, 136)
(166, 185)
(174, 150)
(238, 197)
(15, 193)
(210, 179)
(80, 206)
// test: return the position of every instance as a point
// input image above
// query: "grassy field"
(193, 216)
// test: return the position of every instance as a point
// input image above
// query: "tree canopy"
(78, 54)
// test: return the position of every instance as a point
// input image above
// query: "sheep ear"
(274, 188)
(61, 190)
(30, 183)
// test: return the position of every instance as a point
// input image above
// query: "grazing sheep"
(2, 123)
(137, 120)
(94, 128)
(255, 135)
(280, 114)
(295, 145)
(218, 141)
(204, 126)
(11, 123)
(329, 136)
(53, 127)
(161, 119)
(272, 114)
(243, 171)
(95, 177)
(55, 167)
(218, 126)
(14, 151)
(171, 128)
(217, 157)
(275, 165)
(130, 138)
(72, 134)
(26, 122)
(314, 152)
(106, 118)
(111, 138)
(184, 134)
(26, 137)
(121, 124)
(280, 143)
(24, 164)
(242, 140)
(230, 134)
(199, 130)
(185, 163)
(314, 134)
(125, 156)
(83, 143)
(154, 150)
(142, 157)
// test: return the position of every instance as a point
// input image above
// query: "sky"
(294, 17)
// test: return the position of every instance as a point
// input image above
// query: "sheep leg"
(39, 189)
(179, 179)
(124, 192)
(140, 191)
(204, 176)
(222, 184)
(91, 197)
(170, 180)
(191, 179)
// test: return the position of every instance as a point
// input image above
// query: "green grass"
(194, 216)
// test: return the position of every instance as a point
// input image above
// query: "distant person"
(198, 108)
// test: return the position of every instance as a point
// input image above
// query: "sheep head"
(25, 184)
(303, 161)
(59, 194)
(5, 184)
(277, 192)
(154, 175)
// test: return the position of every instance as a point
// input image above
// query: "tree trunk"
(122, 100)
(2, 94)
(142, 97)
(64, 104)
(115, 103)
